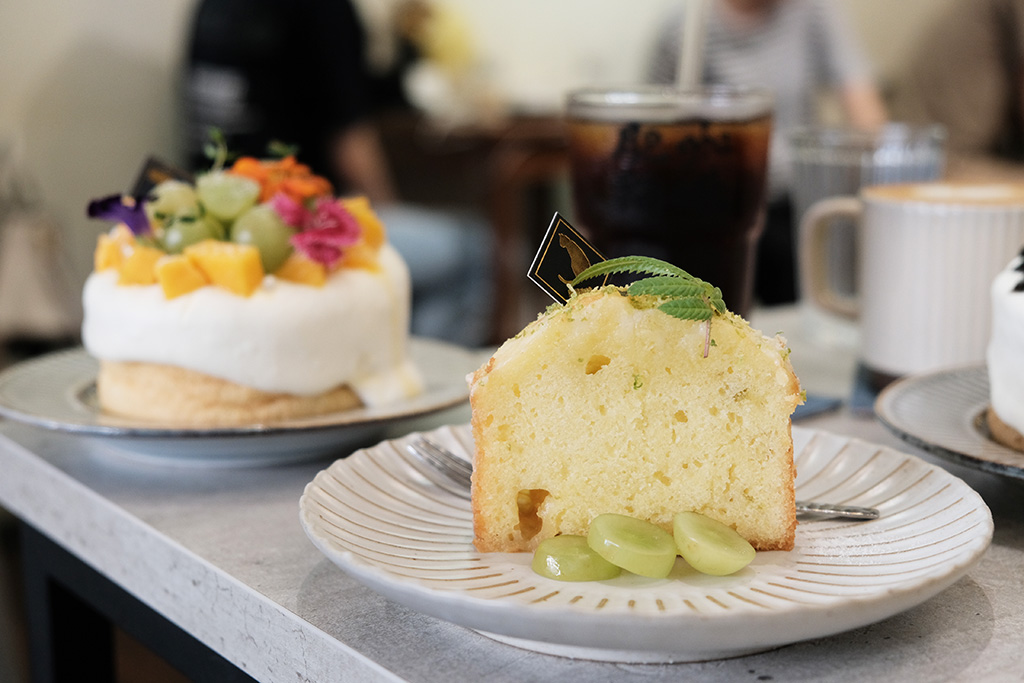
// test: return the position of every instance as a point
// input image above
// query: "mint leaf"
(688, 297)
(666, 286)
(631, 264)
(688, 308)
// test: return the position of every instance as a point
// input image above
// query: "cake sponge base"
(176, 396)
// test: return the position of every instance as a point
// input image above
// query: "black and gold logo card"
(154, 172)
(563, 254)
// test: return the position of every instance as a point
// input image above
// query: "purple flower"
(122, 208)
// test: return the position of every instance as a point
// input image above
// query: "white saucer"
(58, 391)
(381, 518)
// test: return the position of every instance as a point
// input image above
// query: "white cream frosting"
(286, 337)
(1006, 347)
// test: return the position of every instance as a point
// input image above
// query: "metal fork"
(459, 470)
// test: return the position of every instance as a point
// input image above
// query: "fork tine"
(455, 462)
(442, 460)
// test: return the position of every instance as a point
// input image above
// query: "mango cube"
(178, 275)
(360, 255)
(302, 270)
(111, 247)
(139, 266)
(235, 267)
(373, 229)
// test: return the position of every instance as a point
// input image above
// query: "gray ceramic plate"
(381, 517)
(943, 413)
(58, 392)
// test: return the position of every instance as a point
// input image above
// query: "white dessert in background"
(283, 338)
(251, 297)
(1006, 356)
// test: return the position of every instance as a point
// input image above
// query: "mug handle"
(813, 262)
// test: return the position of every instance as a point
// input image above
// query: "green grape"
(569, 558)
(225, 195)
(633, 544)
(264, 229)
(171, 198)
(710, 546)
(216, 227)
(183, 231)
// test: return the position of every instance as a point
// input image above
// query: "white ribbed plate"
(58, 391)
(379, 516)
(943, 412)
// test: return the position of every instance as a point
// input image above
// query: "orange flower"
(285, 175)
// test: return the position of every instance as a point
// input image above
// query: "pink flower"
(331, 215)
(325, 232)
(291, 212)
(324, 246)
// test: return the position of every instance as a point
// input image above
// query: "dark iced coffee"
(679, 176)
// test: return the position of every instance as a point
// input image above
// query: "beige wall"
(86, 93)
(87, 88)
(890, 28)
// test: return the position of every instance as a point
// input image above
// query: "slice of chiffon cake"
(609, 404)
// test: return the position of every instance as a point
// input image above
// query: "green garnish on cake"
(686, 297)
(689, 297)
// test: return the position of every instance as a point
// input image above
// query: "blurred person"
(800, 50)
(295, 73)
(262, 71)
(967, 73)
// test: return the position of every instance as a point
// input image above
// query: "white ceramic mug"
(833, 162)
(927, 255)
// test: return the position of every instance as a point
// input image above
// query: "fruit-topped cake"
(644, 401)
(1005, 416)
(251, 295)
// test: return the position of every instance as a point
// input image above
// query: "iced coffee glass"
(674, 174)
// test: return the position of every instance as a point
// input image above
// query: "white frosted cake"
(1006, 356)
(300, 311)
